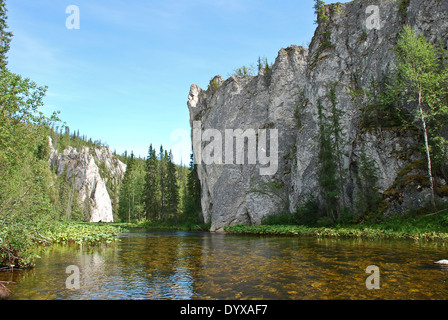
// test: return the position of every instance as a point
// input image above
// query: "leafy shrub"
(280, 219)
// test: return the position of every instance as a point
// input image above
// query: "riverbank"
(164, 225)
(85, 233)
(425, 228)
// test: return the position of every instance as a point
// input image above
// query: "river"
(200, 265)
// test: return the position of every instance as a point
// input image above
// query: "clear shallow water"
(196, 265)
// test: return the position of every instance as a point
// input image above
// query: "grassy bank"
(84, 233)
(425, 228)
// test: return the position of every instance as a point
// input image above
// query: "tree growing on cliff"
(421, 79)
(320, 11)
(338, 140)
(329, 187)
(368, 197)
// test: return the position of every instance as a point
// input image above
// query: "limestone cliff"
(93, 174)
(345, 52)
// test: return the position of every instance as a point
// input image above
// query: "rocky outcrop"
(347, 52)
(89, 172)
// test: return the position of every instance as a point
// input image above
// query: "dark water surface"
(200, 265)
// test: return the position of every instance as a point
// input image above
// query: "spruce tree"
(327, 172)
(163, 183)
(125, 203)
(172, 187)
(368, 197)
(151, 190)
(193, 197)
(338, 142)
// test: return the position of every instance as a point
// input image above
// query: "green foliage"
(421, 80)
(320, 11)
(25, 202)
(156, 190)
(420, 228)
(193, 195)
(172, 189)
(151, 184)
(5, 36)
(215, 84)
(131, 204)
(243, 71)
(307, 212)
(84, 233)
(278, 219)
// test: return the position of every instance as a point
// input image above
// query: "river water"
(200, 265)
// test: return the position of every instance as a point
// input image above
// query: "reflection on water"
(189, 265)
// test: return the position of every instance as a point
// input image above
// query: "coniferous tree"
(338, 145)
(125, 203)
(152, 207)
(163, 183)
(368, 196)
(172, 187)
(327, 168)
(193, 196)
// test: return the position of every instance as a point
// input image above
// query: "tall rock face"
(352, 47)
(93, 174)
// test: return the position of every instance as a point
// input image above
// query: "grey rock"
(82, 170)
(350, 58)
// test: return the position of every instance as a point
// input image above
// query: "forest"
(36, 205)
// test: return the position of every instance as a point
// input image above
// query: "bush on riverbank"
(187, 225)
(62, 233)
(84, 233)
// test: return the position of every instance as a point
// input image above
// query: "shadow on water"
(200, 265)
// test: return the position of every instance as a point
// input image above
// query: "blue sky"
(125, 74)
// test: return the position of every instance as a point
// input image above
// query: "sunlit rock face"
(82, 169)
(353, 47)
